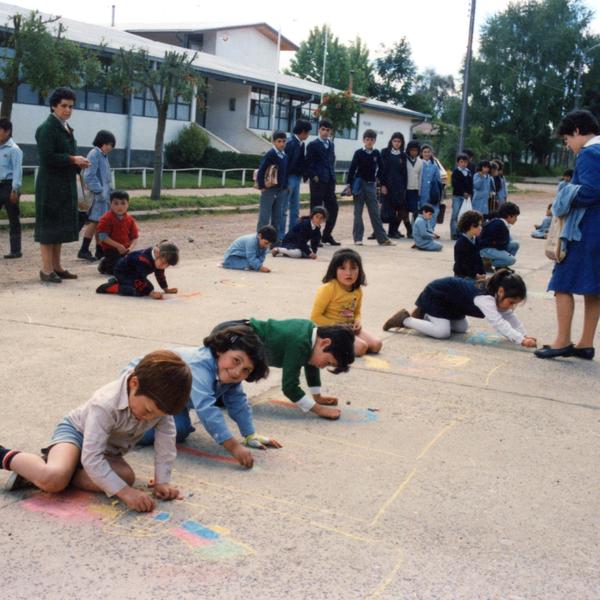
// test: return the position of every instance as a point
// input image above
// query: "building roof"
(264, 28)
(111, 39)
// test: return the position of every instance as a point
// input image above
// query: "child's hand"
(529, 342)
(264, 269)
(14, 197)
(164, 491)
(383, 190)
(241, 454)
(170, 291)
(260, 442)
(312, 255)
(121, 249)
(156, 295)
(356, 326)
(136, 499)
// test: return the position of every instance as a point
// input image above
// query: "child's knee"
(376, 346)
(360, 347)
(53, 481)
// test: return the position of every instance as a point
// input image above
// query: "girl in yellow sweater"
(339, 299)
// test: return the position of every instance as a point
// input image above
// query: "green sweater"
(289, 346)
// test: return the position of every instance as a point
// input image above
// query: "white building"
(238, 62)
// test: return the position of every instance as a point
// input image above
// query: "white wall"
(27, 118)
(247, 47)
(229, 125)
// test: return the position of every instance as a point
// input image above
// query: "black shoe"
(395, 235)
(86, 255)
(51, 278)
(15, 482)
(66, 274)
(13, 255)
(372, 236)
(331, 242)
(585, 353)
(555, 352)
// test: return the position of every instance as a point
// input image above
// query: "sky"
(437, 30)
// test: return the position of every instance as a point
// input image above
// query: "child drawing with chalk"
(296, 344)
(228, 357)
(132, 270)
(444, 304)
(339, 299)
(87, 448)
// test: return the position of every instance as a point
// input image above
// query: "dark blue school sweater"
(301, 234)
(495, 234)
(467, 260)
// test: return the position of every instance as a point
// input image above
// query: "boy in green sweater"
(295, 343)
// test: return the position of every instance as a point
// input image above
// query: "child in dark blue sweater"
(467, 260)
(496, 243)
(131, 272)
(302, 240)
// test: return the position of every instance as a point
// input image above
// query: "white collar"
(595, 140)
(506, 223)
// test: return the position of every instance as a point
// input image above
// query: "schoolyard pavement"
(462, 468)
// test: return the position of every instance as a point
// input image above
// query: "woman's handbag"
(555, 248)
(85, 197)
(441, 213)
(270, 177)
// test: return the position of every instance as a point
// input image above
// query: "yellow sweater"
(334, 305)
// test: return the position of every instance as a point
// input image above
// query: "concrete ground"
(463, 468)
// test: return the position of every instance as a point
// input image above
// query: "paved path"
(462, 468)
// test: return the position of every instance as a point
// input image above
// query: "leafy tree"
(34, 51)
(163, 81)
(524, 77)
(341, 59)
(431, 93)
(394, 74)
(340, 108)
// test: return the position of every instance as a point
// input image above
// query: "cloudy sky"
(436, 29)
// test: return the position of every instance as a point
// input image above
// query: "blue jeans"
(501, 258)
(367, 196)
(183, 425)
(291, 203)
(456, 204)
(269, 211)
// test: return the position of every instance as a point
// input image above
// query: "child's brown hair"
(165, 378)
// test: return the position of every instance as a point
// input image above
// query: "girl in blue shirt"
(483, 186)
(228, 357)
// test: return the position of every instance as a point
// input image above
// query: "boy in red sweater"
(117, 232)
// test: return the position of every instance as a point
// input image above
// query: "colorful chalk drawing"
(432, 364)
(232, 283)
(484, 339)
(287, 409)
(376, 363)
(188, 295)
(212, 543)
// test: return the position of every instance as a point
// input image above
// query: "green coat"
(56, 217)
(289, 346)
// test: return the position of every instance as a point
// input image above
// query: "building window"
(350, 133)
(260, 108)
(144, 106)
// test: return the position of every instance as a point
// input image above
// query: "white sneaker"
(359, 243)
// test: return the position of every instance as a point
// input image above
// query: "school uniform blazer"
(495, 234)
(461, 184)
(467, 260)
(320, 161)
(295, 151)
(272, 158)
(300, 235)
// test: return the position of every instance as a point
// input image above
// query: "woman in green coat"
(56, 217)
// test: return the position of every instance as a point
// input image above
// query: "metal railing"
(223, 173)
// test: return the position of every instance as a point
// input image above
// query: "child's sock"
(6, 456)
(85, 244)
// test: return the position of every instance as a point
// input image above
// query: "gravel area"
(199, 237)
